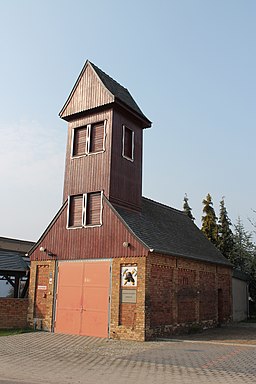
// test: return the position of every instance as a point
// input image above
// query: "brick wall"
(207, 295)
(161, 284)
(41, 291)
(13, 313)
(127, 320)
(172, 295)
(182, 295)
(225, 289)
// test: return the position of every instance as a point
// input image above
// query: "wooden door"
(82, 300)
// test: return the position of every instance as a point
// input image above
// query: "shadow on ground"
(240, 333)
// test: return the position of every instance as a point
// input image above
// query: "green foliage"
(253, 222)
(187, 209)
(209, 221)
(14, 331)
(225, 235)
(243, 254)
(237, 246)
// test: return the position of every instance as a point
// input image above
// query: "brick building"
(113, 263)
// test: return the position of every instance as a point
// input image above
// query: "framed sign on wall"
(129, 276)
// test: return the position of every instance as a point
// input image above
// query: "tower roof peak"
(94, 88)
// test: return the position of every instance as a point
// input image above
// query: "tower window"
(96, 137)
(75, 217)
(128, 143)
(93, 209)
(85, 210)
(79, 141)
(88, 139)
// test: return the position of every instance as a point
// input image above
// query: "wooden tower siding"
(126, 180)
(120, 179)
(88, 93)
(92, 172)
(108, 171)
(105, 241)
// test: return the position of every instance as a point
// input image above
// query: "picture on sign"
(129, 276)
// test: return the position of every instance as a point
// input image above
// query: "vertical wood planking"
(89, 93)
(91, 172)
(105, 241)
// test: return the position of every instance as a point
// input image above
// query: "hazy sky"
(189, 64)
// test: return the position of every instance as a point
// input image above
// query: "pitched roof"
(10, 244)
(240, 275)
(117, 92)
(169, 231)
(13, 261)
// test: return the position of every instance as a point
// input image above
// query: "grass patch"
(195, 328)
(14, 331)
(252, 320)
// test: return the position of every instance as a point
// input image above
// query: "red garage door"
(83, 297)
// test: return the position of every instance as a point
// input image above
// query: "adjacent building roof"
(169, 231)
(12, 261)
(240, 275)
(10, 244)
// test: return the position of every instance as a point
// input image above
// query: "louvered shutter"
(75, 211)
(128, 143)
(93, 211)
(79, 141)
(97, 137)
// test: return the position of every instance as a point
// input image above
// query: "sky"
(190, 66)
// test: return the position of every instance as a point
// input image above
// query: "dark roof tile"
(170, 231)
(13, 261)
(119, 91)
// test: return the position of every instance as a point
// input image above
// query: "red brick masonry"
(13, 313)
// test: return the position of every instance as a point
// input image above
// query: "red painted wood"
(105, 241)
(88, 173)
(88, 93)
(68, 303)
(75, 211)
(82, 306)
(126, 175)
(79, 141)
(96, 137)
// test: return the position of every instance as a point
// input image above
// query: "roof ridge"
(164, 205)
(105, 74)
(121, 93)
(12, 239)
(125, 222)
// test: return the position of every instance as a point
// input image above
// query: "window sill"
(128, 158)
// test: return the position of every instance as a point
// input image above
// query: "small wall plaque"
(129, 296)
(42, 287)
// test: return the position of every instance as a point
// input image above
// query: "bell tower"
(104, 147)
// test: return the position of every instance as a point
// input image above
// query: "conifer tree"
(244, 255)
(209, 221)
(244, 250)
(225, 238)
(187, 209)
